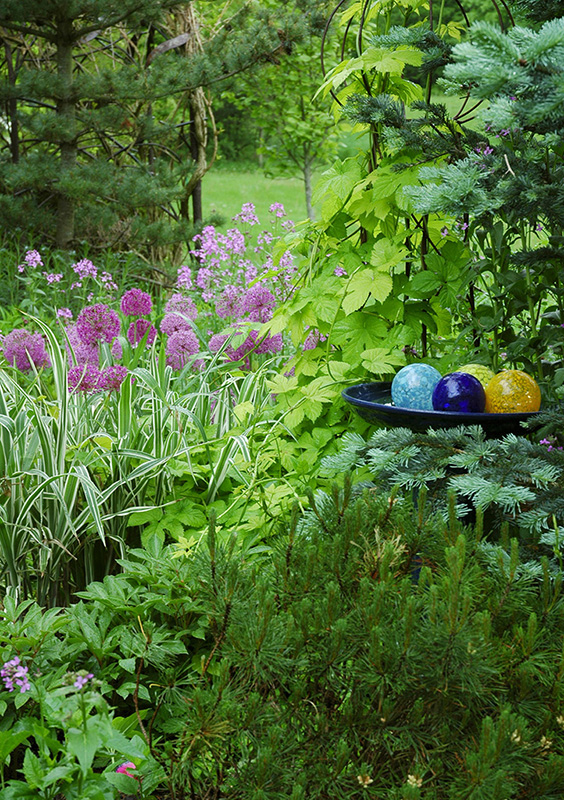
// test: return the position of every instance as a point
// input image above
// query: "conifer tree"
(96, 91)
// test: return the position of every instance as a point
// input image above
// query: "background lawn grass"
(225, 189)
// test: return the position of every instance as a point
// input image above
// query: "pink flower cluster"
(14, 675)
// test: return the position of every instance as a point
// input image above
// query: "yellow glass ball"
(484, 374)
(511, 392)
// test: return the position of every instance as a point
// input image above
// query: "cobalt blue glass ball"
(413, 386)
(459, 391)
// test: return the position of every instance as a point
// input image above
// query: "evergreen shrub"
(348, 665)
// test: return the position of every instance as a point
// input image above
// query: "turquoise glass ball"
(413, 386)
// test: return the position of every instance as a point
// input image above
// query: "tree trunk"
(195, 151)
(308, 187)
(12, 107)
(68, 150)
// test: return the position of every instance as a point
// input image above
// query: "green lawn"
(226, 189)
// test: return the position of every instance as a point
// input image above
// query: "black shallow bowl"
(373, 402)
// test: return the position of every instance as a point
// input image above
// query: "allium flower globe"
(111, 378)
(180, 347)
(23, 348)
(97, 323)
(138, 329)
(136, 303)
(78, 352)
(84, 379)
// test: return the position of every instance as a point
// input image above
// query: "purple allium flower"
(312, 340)
(14, 675)
(22, 349)
(229, 304)
(247, 214)
(270, 344)
(64, 313)
(97, 323)
(111, 378)
(138, 329)
(33, 259)
(258, 303)
(78, 352)
(85, 269)
(84, 378)
(217, 341)
(180, 346)
(179, 310)
(124, 768)
(136, 303)
(277, 209)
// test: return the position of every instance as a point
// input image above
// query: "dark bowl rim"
(475, 416)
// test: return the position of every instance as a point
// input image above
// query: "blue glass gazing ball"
(459, 391)
(413, 386)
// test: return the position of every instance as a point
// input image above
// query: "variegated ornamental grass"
(76, 466)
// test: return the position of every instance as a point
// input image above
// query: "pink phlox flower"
(180, 347)
(288, 225)
(14, 675)
(107, 280)
(138, 329)
(23, 348)
(264, 238)
(53, 277)
(250, 271)
(136, 303)
(258, 303)
(85, 269)
(234, 242)
(97, 323)
(229, 304)
(64, 313)
(111, 378)
(124, 768)
(76, 285)
(277, 209)
(184, 279)
(78, 352)
(84, 378)
(340, 272)
(33, 259)
(287, 261)
(21, 267)
(82, 679)
(247, 214)
(204, 279)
